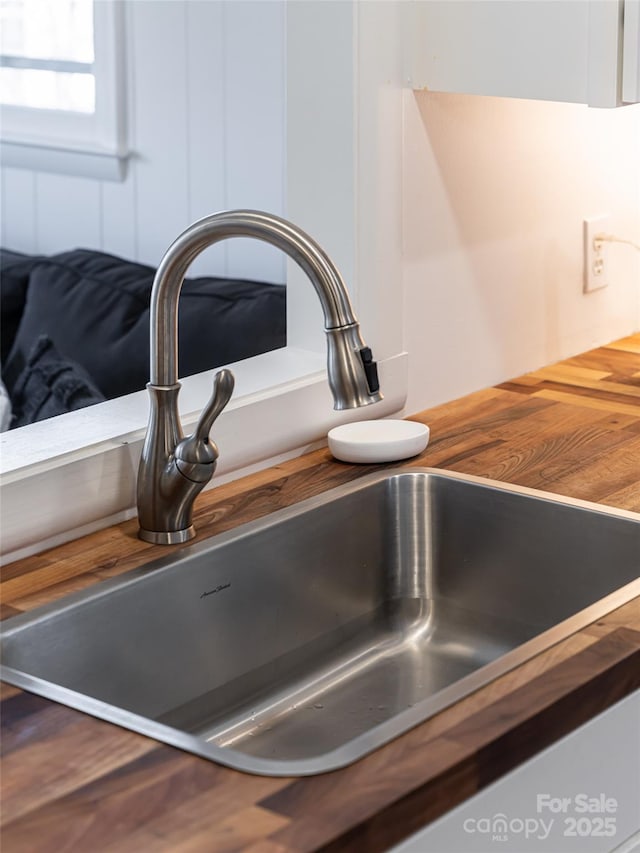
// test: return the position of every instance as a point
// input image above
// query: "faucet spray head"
(352, 372)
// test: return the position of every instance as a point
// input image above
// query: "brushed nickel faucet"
(174, 469)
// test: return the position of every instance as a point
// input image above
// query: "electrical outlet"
(596, 272)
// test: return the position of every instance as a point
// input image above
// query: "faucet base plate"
(167, 537)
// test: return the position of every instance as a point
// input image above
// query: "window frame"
(60, 141)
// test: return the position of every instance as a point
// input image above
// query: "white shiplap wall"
(206, 131)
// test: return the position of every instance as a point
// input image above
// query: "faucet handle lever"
(223, 385)
(197, 449)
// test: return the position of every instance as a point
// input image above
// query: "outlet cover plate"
(596, 271)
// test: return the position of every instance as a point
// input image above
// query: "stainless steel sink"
(300, 642)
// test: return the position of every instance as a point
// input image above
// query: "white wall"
(495, 191)
(206, 132)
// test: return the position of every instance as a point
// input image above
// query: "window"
(61, 86)
(47, 55)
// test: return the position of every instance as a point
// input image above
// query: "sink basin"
(298, 643)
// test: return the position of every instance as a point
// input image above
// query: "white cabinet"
(582, 51)
(631, 52)
(580, 795)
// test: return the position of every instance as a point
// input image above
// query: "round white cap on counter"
(378, 441)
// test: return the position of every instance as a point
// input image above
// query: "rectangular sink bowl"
(300, 642)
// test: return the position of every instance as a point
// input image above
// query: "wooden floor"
(70, 782)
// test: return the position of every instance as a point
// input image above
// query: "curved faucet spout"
(167, 485)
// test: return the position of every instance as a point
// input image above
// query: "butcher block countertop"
(74, 783)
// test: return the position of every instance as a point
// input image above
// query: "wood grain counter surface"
(74, 783)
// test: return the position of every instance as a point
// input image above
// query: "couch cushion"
(95, 309)
(50, 385)
(15, 269)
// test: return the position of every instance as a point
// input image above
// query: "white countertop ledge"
(76, 473)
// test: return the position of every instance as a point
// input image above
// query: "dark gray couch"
(75, 327)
